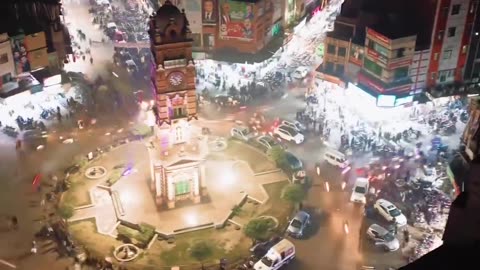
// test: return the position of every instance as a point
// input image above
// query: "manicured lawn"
(85, 233)
(277, 207)
(258, 161)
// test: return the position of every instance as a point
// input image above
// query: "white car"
(294, 124)
(300, 73)
(241, 133)
(383, 237)
(289, 134)
(390, 212)
(360, 190)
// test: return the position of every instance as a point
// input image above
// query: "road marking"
(8, 264)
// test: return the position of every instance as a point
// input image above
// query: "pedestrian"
(14, 223)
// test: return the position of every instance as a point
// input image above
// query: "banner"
(236, 20)
(193, 9)
(20, 54)
(277, 10)
(209, 12)
(356, 54)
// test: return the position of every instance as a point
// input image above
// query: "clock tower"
(173, 74)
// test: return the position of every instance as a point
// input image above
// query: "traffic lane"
(327, 245)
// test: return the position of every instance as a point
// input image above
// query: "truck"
(277, 256)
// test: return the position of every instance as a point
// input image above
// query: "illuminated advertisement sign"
(356, 54)
(209, 12)
(401, 63)
(236, 20)
(379, 37)
(20, 54)
(403, 100)
(386, 101)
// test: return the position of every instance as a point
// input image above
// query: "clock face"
(175, 78)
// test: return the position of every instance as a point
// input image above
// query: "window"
(331, 49)
(329, 67)
(378, 48)
(340, 69)
(400, 73)
(447, 54)
(455, 9)
(443, 76)
(342, 51)
(440, 35)
(451, 31)
(179, 112)
(182, 187)
(3, 58)
(400, 52)
(372, 67)
(7, 78)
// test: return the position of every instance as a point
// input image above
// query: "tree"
(293, 193)
(65, 211)
(258, 229)
(201, 250)
(277, 155)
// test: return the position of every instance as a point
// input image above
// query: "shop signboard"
(397, 64)
(403, 100)
(277, 10)
(356, 54)
(236, 20)
(376, 56)
(383, 40)
(386, 100)
(20, 54)
(209, 11)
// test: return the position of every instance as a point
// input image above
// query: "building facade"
(472, 66)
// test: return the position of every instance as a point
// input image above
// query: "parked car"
(383, 237)
(294, 124)
(300, 73)
(266, 142)
(298, 224)
(390, 212)
(241, 133)
(289, 134)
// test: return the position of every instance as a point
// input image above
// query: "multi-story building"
(472, 66)
(452, 31)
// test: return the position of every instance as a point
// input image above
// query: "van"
(336, 158)
(360, 190)
(277, 256)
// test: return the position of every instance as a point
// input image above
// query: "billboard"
(356, 54)
(386, 101)
(236, 20)
(20, 54)
(193, 9)
(209, 11)
(277, 10)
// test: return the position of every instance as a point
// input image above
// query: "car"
(300, 73)
(294, 124)
(241, 133)
(360, 190)
(298, 224)
(390, 212)
(289, 134)
(383, 237)
(266, 142)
